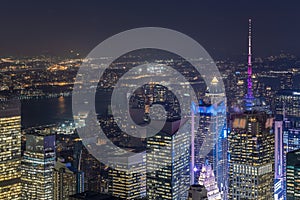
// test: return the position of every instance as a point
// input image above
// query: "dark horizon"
(34, 28)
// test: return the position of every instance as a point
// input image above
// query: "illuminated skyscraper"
(239, 90)
(278, 149)
(128, 184)
(287, 139)
(77, 165)
(287, 103)
(209, 139)
(279, 189)
(38, 166)
(279, 161)
(65, 181)
(207, 179)
(286, 80)
(10, 151)
(287, 131)
(293, 175)
(251, 147)
(168, 162)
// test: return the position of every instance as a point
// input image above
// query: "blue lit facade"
(278, 189)
(293, 175)
(287, 131)
(210, 141)
(37, 167)
(279, 161)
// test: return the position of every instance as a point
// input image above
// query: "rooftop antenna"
(249, 95)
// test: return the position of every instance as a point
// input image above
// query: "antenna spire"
(249, 91)
(249, 96)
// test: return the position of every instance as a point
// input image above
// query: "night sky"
(56, 27)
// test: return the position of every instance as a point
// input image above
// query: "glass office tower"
(209, 138)
(287, 132)
(127, 178)
(65, 181)
(251, 148)
(38, 166)
(168, 162)
(10, 151)
(293, 175)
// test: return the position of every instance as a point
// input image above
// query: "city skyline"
(150, 113)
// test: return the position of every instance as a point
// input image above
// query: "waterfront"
(44, 111)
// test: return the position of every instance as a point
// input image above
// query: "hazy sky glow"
(35, 27)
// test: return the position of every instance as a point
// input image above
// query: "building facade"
(38, 166)
(65, 181)
(127, 180)
(293, 175)
(279, 187)
(251, 145)
(251, 165)
(207, 179)
(168, 162)
(10, 151)
(209, 136)
(287, 103)
(287, 134)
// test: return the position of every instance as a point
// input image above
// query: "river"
(36, 112)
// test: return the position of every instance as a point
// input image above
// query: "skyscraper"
(65, 181)
(251, 147)
(125, 183)
(279, 161)
(293, 175)
(209, 139)
(168, 162)
(278, 149)
(286, 80)
(207, 179)
(37, 165)
(287, 103)
(10, 151)
(287, 132)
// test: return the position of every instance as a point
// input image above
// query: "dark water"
(36, 112)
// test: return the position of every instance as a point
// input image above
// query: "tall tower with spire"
(251, 147)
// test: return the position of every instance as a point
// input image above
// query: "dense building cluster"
(241, 143)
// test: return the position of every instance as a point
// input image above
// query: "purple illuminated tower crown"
(249, 95)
